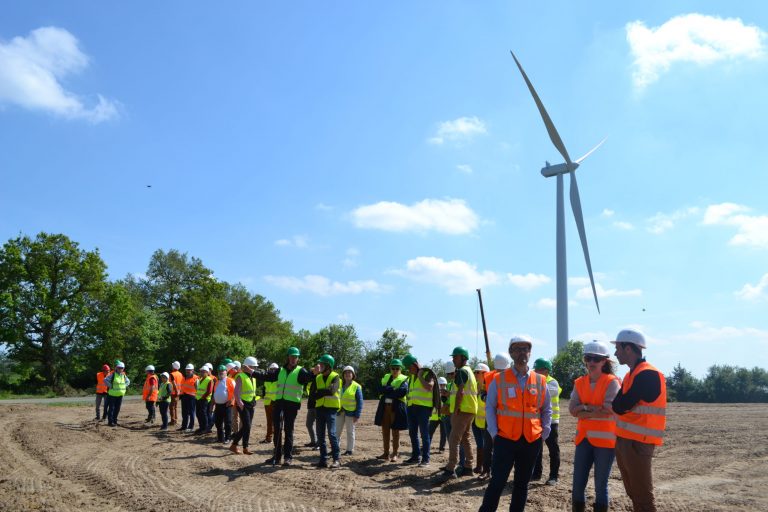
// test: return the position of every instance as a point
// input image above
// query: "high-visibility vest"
(417, 393)
(270, 392)
(230, 386)
(329, 402)
(149, 383)
(164, 392)
(518, 411)
(247, 387)
(176, 381)
(646, 421)
(395, 383)
(349, 397)
(101, 388)
(288, 387)
(488, 377)
(202, 387)
(189, 385)
(600, 432)
(469, 402)
(554, 398)
(480, 416)
(118, 385)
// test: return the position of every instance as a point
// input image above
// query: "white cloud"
(704, 332)
(320, 285)
(586, 292)
(456, 276)
(465, 168)
(31, 70)
(662, 222)
(752, 229)
(528, 281)
(754, 292)
(692, 38)
(342, 317)
(458, 130)
(323, 207)
(450, 216)
(624, 226)
(352, 257)
(547, 303)
(607, 213)
(297, 241)
(588, 336)
(450, 324)
(584, 280)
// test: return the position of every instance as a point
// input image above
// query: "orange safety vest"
(600, 432)
(646, 421)
(189, 385)
(101, 388)
(150, 381)
(518, 412)
(489, 376)
(176, 379)
(230, 390)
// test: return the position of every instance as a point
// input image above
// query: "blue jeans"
(418, 420)
(587, 455)
(113, 403)
(326, 420)
(164, 412)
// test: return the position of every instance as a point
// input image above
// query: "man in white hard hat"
(203, 395)
(117, 383)
(149, 393)
(175, 379)
(501, 362)
(640, 407)
(478, 426)
(188, 391)
(270, 392)
(245, 401)
(518, 415)
(440, 418)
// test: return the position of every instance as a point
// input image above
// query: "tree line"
(61, 318)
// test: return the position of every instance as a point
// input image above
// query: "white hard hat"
(204, 368)
(482, 367)
(450, 367)
(501, 362)
(273, 366)
(521, 338)
(237, 364)
(349, 369)
(175, 365)
(230, 366)
(209, 365)
(442, 381)
(149, 368)
(630, 336)
(190, 366)
(251, 361)
(120, 364)
(165, 374)
(597, 348)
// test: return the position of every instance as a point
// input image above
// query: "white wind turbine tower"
(569, 167)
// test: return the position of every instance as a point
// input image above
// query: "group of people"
(510, 412)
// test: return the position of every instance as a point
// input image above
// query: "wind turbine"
(569, 167)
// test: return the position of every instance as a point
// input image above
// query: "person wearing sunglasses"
(595, 439)
(392, 413)
(641, 409)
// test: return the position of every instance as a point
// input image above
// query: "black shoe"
(163, 428)
(535, 478)
(288, 462)
(412, 460)
(335, 464)
(551, 481)
(271, 462)
(447, 474)
(112, 424)
(322, 464)
(348, 452)
(309, 445)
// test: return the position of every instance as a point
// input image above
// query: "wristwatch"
(584, 408)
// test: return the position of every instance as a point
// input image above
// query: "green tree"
(682, 386)
(568, 365)
(391, 345)
(253, 316)
(342, 342)
(48, 291)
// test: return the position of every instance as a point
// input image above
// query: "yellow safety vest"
(329, 402)
(118, 387)
(202, 387)
(480, 416)
(555, 399)
(418, 394)
(469, 402)
(270, 392)
(396, 383)
(349, 397)
(247, 387)
(288, 387)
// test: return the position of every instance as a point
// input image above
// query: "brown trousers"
(388, 418)
(268, 412)
(173, 408)
(461, 426)
(235, 420)
(634, 461)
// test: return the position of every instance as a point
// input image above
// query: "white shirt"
(220, 394)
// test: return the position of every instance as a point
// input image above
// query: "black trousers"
(201, 410)
(150, 410)
(188, 411)
(507, 453)
(487, 451)
(223, 418)
(283, 418)
(246, 418)
(113, 403)
(554, 455)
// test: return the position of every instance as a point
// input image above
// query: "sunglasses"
(594, 359)
(395, 368)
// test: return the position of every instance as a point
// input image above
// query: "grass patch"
(7, 395)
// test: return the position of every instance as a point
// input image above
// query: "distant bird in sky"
(149, 186)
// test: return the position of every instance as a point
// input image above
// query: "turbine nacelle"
(553, 170)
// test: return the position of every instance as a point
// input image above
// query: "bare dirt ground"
(57, 458)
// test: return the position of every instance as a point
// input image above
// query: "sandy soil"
(58, 458)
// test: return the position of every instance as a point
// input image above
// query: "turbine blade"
(591, 151)
(577, 215)
(553, 135)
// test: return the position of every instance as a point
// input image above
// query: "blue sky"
(374, 163)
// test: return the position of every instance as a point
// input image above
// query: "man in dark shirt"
(640, 407)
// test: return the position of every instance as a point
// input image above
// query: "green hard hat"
(222, 368)
(542, 363)
(460, 351)
(396, 362)
(293, 351)
(408, 360)
(327, 359)
(226, 361)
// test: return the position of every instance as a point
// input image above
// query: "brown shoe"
(246, 451)
(234, 449)
(383, 456)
